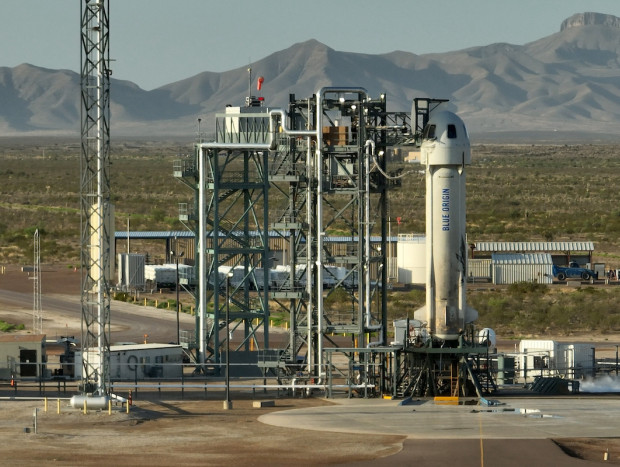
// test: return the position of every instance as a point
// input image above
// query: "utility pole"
(176, 255)
(37, 312)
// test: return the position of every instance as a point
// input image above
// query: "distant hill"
(566, 83)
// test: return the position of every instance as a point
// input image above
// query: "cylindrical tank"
(92, 402)
(487, 337)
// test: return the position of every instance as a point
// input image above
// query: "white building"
(551, 358)
(141, 361)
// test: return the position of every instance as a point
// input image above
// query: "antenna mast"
(249, 99)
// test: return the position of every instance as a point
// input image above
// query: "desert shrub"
(8, 327)
(122, 297)
(337, 296)
(526, 287)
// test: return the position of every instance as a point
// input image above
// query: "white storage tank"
(411, 256)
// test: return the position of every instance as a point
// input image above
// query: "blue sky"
(156, 42)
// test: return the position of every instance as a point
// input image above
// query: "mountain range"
(564, 84)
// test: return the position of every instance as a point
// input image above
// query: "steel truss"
(331, 185)
(310, 172)
(236, 215)
(95, 195)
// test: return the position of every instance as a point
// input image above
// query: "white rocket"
(445, 152)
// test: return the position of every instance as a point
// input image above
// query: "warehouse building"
(497, 262)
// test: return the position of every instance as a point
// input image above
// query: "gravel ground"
(200, 432)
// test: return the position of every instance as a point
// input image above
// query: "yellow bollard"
(85, 407)
(109, 406)
(156, 303)
(127, 405)
(45, 404)
(145, 302)
(58, 406)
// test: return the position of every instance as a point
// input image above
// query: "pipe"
(202, 261)
(319, 230)
(309, 263)
(369, 147)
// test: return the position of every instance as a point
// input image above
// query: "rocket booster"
(445, 152)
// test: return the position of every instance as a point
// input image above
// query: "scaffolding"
(314, 170)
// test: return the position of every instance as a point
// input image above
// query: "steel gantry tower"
(335, 201)
(314, 171)
(95, 195)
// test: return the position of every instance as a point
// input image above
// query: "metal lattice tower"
(324, 162)
(37, 311)
(95, 195)
(332, 186)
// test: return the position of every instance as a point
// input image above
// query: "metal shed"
(522, 267)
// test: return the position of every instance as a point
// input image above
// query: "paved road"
(62, 315)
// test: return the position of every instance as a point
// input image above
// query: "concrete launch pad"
(514, 418)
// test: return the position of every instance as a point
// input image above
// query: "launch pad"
(325, 160)
(461, 371)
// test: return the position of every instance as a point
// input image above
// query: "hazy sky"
(156, 42)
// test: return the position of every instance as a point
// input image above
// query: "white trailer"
(140, 361)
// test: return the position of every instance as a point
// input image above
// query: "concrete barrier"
(261, 404)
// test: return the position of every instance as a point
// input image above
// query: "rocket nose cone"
(446, 127)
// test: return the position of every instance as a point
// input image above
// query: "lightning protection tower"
(95, 195)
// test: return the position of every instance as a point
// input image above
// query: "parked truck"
(573, 270)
